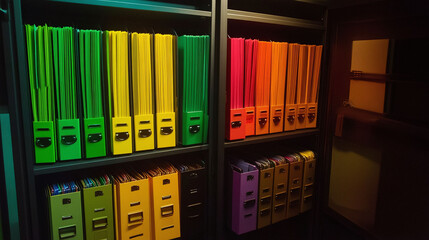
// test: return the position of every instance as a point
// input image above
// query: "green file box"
(98, 210)
(192, 127)
(95, 139)
(65, 213)
(69, 139)
(44, 142)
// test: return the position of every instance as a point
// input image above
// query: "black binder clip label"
(68, 139)
(43, 142)
(95, 137)
(144, 133)
(121, 136)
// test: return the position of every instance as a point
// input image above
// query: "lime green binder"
(98, 210)
(65, 215)
(68, 125)
(90, 52)
(41, 78)
(194, 62)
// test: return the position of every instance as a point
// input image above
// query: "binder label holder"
(276, 118)
(250, 121)
(262, 120)
(144, 132)
(69, 139)
(95, 139)
(192, 127)
(121, 135)
(166, 134)
(44, 142)
(290, 117)
(236, 124)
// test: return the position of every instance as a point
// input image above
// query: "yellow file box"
(121, 135)
(166, 125)
(144, 132)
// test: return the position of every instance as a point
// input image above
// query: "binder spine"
(235, 128)
(121, 135)
(276, 118)
(262, 120)
(144, 132)
(95, 138)
(166, 134)
(69, 139)
(44, 142)
(192, 127)
(290, 117)
(250, 121)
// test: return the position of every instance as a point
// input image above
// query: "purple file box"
(243, 205)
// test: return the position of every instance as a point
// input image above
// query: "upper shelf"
(64, 166)
(274, 19)
(143, 5)
(273, 137)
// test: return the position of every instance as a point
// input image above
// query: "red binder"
(235, 114)
(262, 99)
(250, 57)
(278, 81)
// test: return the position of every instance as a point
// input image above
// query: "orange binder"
(278, 81)
(302, 87)
(250, 58)
(292, 75)
(262, 90)
(313, 87)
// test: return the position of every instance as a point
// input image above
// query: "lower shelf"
(64, 166)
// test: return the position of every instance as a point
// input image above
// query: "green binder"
(98, 208)
(65, 216)
(90, 51)
(194, 62)
(40, 71)
(68, 125)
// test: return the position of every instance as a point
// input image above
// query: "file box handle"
(95, 137)
(193, 175)
(281, 185)
(266, 200)
(279, 207)
(248, 215)
(43, 142)
(276, 120)
(67, 231)
(194, 128)
(236, 124)
(291, 118)
(145, 133)
(262, 121)
(167, 210)
(166, 197)
(265, 212)
(250, 178)
(249, 193)
(66, 217)
(249, 203)
(99, 223)
(166, 130)
(121, 136)
(282, 170)
(311, 116)
(68, 139)
(307, 198)
(193, 191)
(135, 218)
(194, 216)
(168, 227)
(280, 196)
(136, 236)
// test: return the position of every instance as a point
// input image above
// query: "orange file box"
(302, 87)
(291, 82)
(262, 97)
(250, 58)
(278, 81)
(312, 89)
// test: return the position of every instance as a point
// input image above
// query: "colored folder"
(164, 184)
(278, 82)
(280, 188)
(65, 211)
(90, 58)
(41, 78)
(165, 86)
(194, 70)
(242, 196)
(301, 88)
(235, 114)
(313, 87)
(263, 77)
(308, 180)
(295, 184)
(98, 208)
(291, 87)
(250, 60)
(143, 99)
(68, 125)
(193, 180)
(119, 92)
(132, 201)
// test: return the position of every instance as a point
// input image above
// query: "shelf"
(98, 162)
(272, 137)
(274, 19)
(143, 5)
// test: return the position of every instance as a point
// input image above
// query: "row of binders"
(271, 87)
(266, 190)
(126, 91)
(160, 202)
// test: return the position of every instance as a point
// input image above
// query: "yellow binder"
(165, 85)
(131, 194)
(141, 48)
(119, 87)
(164, 185)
